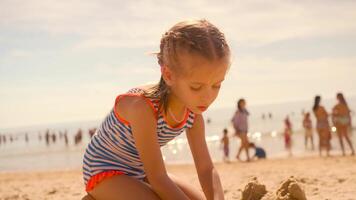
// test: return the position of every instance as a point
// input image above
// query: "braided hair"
(198, 37)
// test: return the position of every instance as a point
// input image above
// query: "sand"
(317, 178)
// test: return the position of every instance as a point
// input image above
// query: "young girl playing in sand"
(123, 159)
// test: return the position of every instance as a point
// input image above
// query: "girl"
(322, 126)
(308, 127)
(342, 121)
(123, 159)
(240, 124)
(288, 135)
(224, 141)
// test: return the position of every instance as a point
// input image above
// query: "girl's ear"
(167, 75)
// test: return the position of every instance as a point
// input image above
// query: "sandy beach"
(320, 178)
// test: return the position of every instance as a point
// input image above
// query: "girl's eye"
(217, 86)
(195, 88)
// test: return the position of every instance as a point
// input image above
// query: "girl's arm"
(143, 124)
(208, 176)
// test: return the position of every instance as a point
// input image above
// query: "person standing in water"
(322, 126)
(341, 118)
(240, 123)
(308, 127)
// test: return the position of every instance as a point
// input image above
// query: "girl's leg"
(340, 136)
(245, 144)
(190, 190)
(306, 141)
(240, 148)
(349, 141)
(122, 187)
(312, 141)
(328, 139)
(320, 141)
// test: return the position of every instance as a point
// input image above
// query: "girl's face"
(198, 81)
(243, 104)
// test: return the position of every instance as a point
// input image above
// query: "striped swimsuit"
(112, 149)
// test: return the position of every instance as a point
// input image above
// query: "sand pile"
(253, 190)
(290, 189)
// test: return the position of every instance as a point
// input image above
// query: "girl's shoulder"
(134, 102)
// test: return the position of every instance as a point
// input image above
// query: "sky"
(64, 61)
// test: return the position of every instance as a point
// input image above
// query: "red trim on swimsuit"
(96, 179)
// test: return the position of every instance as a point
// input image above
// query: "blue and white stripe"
(113, 147)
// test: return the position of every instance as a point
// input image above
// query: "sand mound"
(290, 190)
(253, 190)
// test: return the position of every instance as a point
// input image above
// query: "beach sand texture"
(331, 178)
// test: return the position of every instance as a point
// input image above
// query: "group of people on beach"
(340, 117)
(240, 124)
(341, 120)
(50, 137)
(341, 124)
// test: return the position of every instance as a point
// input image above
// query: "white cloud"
(133, 23)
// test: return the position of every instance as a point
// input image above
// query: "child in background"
(307, 124)
(123, 159)
(260, 153)
(225, 142)
(288, 135)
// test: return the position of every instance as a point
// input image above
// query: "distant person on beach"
(308, 128)
(341, 118)
(240, 124)
(78, 137)
(54, 137)
(288, 135)
(225, 144)
(47, 137)
(26, 138)
(65, 135)
(260, 153)
(322, 126)
(123, 159)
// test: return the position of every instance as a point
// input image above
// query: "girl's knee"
(88, 197)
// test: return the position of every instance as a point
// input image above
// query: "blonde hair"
(198, 37)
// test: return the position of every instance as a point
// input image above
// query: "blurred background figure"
(260, 153)
(240, 124)
(288, 135)
(322, 126)
(225, 145)
(308, 128)
(341, 118)
(78, 137)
